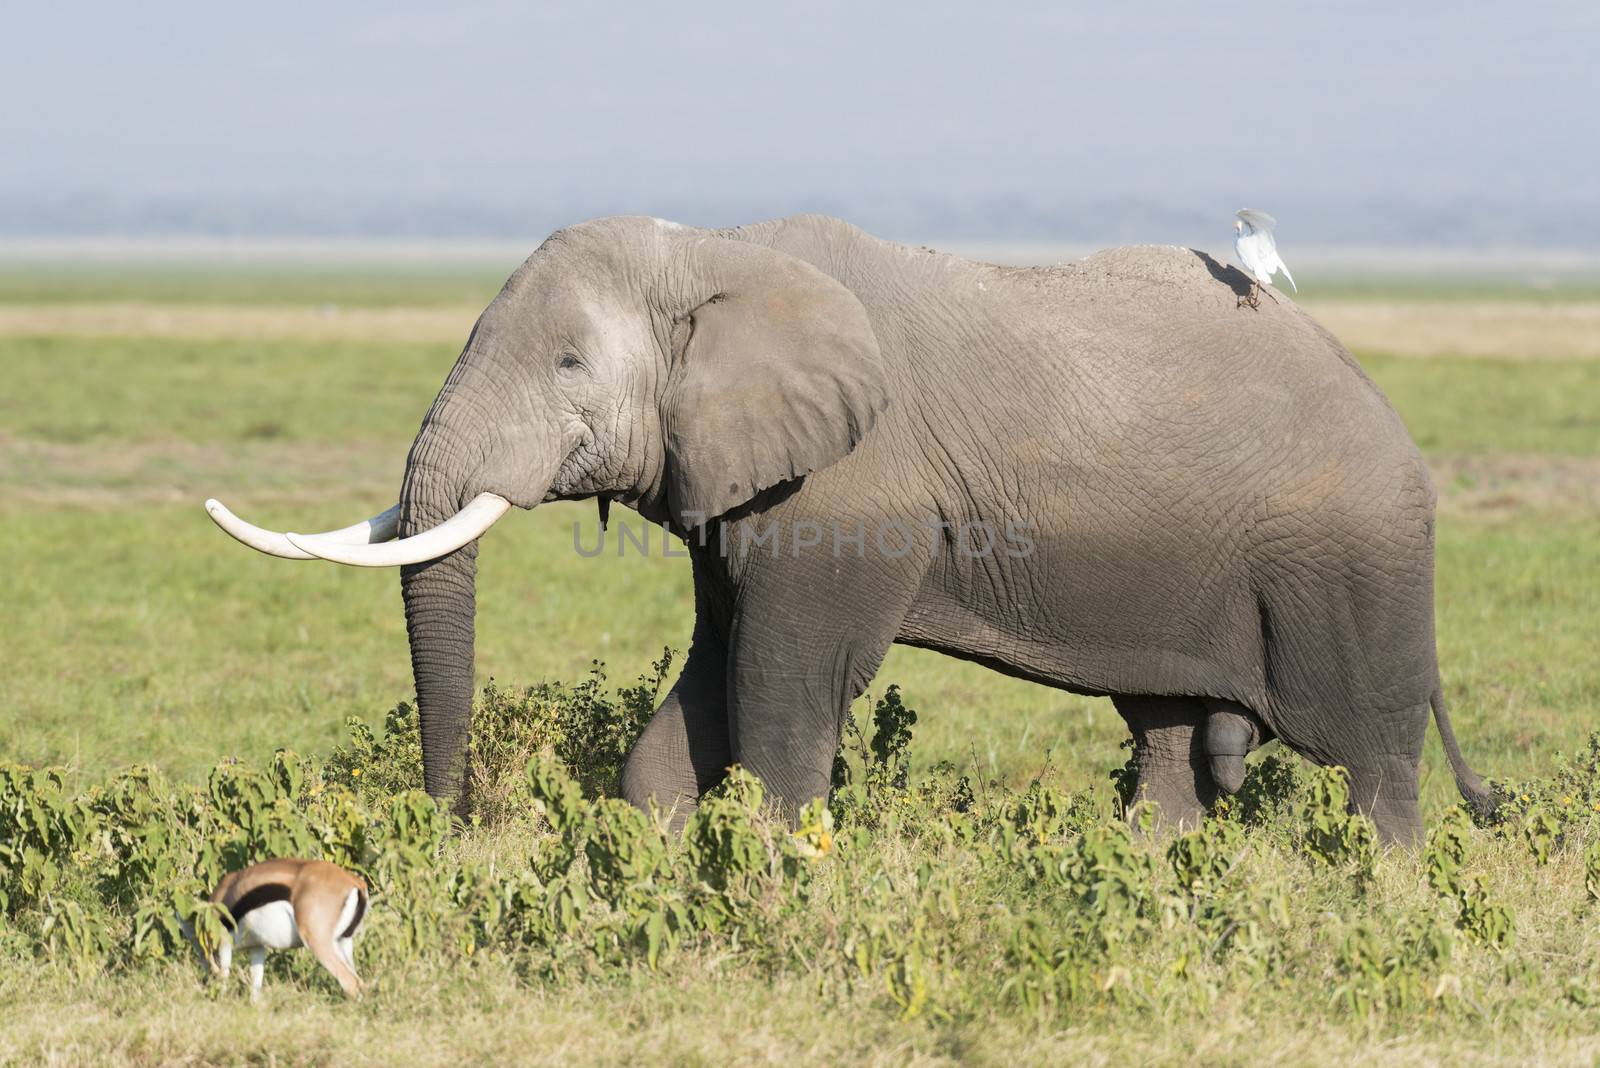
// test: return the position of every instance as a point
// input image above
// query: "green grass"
(137, 632)
(123, 391)
(157, 638)
(1478, 406)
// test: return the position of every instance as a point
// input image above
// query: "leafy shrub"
(1446, 853)
(1485, 921)
(1445, 859)
(1270, 790)
(588, 730)
(1125, 779)
(910, 888)
(1398, 972)
(1566, 803)
(379, 765)
(902, 940)
(1202, 858)
(1330, 832)
(1542, 830)
(871, 776)
(42, 828)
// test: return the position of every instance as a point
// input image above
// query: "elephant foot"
(664, 799)
(1231, 733)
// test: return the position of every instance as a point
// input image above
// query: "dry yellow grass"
(1501, 329)
(208, 322)
(1516, 329)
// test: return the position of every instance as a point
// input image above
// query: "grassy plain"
(137, 633)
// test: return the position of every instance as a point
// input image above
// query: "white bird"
(1258, 252)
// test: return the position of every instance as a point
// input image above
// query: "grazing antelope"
(285, 904)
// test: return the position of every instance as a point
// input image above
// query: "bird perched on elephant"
(1096, 476)
(1257, 250)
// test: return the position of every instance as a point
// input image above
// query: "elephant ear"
(776, 374)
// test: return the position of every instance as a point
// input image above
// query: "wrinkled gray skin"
(1232, 532)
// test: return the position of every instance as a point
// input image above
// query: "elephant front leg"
(1174, 769)
(786, 719)
(805, 643)
(684, 749)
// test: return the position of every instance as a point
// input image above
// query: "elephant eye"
(568, 360)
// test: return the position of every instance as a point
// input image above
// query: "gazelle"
(289, 903)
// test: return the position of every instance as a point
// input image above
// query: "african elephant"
(1206, 512)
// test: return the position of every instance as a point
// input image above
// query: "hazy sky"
(625, 105)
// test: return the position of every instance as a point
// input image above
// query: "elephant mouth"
(372, 542)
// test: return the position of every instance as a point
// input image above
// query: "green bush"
(909, 889)
(583, 726)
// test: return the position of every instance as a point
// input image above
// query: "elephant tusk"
(466, 525)
(381, 527)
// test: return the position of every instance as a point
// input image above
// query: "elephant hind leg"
(1382, 760)
(1384, 783)
(1386, 791)
(1174, 770)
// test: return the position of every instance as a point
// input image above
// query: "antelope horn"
(379, 528)
(466, 525)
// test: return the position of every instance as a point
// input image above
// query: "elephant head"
(678, 371)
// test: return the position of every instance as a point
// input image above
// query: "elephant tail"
(1479, 797)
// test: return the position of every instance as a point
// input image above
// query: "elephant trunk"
(441, 601)
(441, 604)
(443, 473)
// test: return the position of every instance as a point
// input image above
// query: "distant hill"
(998, 217)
